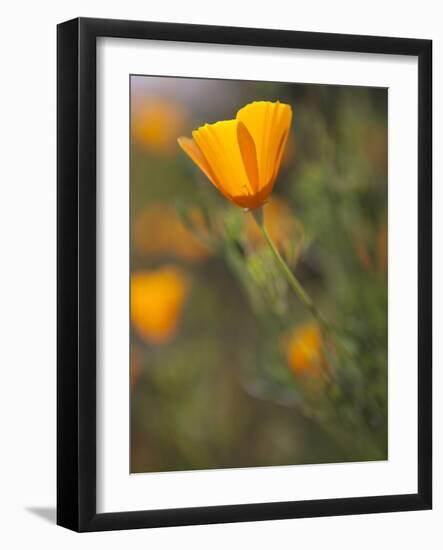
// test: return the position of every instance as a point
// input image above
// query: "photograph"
(258, 274)
(223, 229)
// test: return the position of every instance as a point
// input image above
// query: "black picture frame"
(76, 274)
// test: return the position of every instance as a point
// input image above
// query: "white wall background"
(27, 274)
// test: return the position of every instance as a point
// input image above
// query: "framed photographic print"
(244, 274)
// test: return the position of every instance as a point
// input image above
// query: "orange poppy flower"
(157, 299)
(304, 349)
(158, 230)
(242, 157)
(155, 123)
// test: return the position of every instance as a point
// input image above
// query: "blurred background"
(227, 367)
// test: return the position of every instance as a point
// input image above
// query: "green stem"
(291, 278)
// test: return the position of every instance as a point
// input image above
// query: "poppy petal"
(267, 123)
(192, 150)
(219, 145)
(249, 155)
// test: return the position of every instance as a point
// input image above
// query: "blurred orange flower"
(242, 157)
(290, 150)
(382, 247)
(155, 124)
(157, 299)
(304, 349)
(284, 228)
(374, 142)
(373, 253)
(158, 230)
(362, 251)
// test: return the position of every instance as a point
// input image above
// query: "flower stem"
(291, 278)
